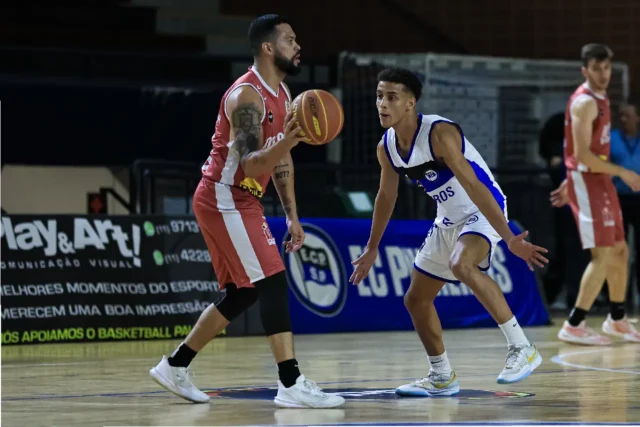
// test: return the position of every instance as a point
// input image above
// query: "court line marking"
(559, 359)
(50, 396)
(458, 423)
(71, 402)
(35, 365)
(43, 396)
(463, 423)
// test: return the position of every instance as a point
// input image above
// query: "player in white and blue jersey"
(471, 219)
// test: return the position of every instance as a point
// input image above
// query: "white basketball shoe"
(621, 329)
(305, 394)
(431, 386)
(581, 334)
(521, 362)
(178, 381)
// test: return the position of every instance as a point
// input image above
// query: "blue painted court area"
(263, 393)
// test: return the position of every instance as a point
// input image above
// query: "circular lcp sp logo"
(316, 273)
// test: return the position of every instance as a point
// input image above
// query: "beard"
(286, 65)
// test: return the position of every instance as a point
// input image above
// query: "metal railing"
(318, 188)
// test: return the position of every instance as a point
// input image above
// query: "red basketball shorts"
(596, 209)
(239, 240)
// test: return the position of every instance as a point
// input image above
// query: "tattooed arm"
(283, 181)
(245, 110)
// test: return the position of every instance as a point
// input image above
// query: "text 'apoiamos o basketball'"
(319, 115)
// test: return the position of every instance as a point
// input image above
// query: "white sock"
(514, 333)
(440, 364)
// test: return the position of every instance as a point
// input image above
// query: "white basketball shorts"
(433, 257)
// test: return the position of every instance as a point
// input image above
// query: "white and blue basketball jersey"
(438, 181)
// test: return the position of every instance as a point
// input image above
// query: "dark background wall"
(538, 29)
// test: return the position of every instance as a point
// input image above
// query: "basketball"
(319, 115)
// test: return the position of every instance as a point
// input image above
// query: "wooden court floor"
(108, 384)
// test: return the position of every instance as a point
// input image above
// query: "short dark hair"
(596, 51)
(405, 77)
(263, 29)
(634, 100)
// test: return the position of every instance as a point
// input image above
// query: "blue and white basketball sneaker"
(432, 385)
(521, 362)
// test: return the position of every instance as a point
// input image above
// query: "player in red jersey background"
(252, 141)
(590, 192)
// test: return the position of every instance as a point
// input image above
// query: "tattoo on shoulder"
(246, 120)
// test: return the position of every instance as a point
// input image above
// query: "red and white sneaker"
(621, 329)
(581, 334)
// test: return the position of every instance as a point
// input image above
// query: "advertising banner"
(322, 299)
(96, 278)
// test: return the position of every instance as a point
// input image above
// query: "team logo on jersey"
(267, 233)
(252, 186)
(270, 116)
(472, 219)
(316, 274)
(431, 175)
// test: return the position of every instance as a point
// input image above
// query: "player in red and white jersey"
(252, 141)
(223, 165)
(590, 192)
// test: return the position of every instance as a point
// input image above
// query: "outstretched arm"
(447, 147)
(385, 199)
(245, 110)
(382, 211)
(446, 142)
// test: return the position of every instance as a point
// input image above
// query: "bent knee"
(416, 300)
(411, 300)
(619, 254)
(461, 269)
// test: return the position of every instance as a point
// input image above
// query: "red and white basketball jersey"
(223, 163)
(601, 131)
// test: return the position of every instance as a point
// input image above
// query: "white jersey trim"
(264, 105)
(600, 97)
(286, 91)
(585, 217)
(266, 86)
(238, 233)
(581, 96)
